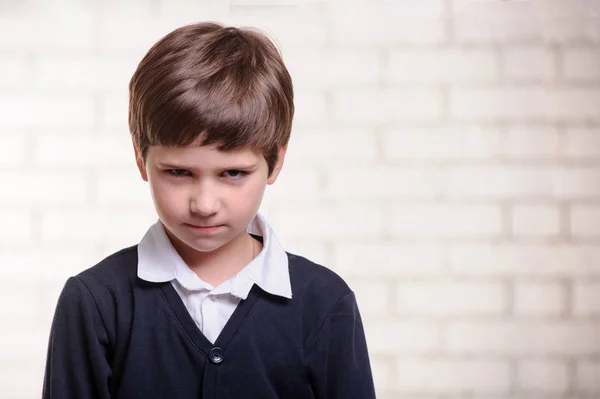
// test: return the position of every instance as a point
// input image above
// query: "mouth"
(204, 229)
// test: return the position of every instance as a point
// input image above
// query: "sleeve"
(76, 363)
(337, 356)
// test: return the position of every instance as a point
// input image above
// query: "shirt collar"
(158, 261)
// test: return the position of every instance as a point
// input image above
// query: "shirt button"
(216, 355)
(214, 298)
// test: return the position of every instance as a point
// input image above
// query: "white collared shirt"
(211, 307)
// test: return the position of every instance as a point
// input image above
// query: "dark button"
(216, 355)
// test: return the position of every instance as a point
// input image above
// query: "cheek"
(165, 196)
(251, 196)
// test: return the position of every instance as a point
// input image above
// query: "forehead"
(203, 156)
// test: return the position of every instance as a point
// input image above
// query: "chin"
(206, 244)
(204, 248)
(203, 244)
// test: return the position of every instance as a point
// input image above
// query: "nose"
(204, 202)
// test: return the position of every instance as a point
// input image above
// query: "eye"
(235, 174)
(179, 172)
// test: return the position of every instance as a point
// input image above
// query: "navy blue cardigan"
(119, 337)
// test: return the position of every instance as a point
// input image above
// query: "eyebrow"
(231, 167)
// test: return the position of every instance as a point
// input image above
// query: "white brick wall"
(539, 298)
(445, 160)
(546, 376)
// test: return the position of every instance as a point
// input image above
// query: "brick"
(586, 298)
(45, 265)
(585, 221)
(445, 376)
(582, 143)
(320, 221)
(48, 296)
(573, 338)
(64, 31)
(373, 297)
(530, 142)
(539, 298)
(15, 72)
(543, 376)
(375, 183)
(392, 393)
(266, 209)
(22, 381)
(586, 378)
(310, 145)
(496, 396)
(373, 23)
(19, 305)
(14, 150)
(577, 183)
(83, 73)
(310, 106)
(337, 68)
(75, 149)
(49, 188)
(557, 260)
(128, 33)
(134, 35)
(316, 251)
(115, 111)
(382, 374)
(126, 187)
(441, 143)
(581, 64)
(20, 222)
(535, 220)
(46, 111)
(81, 225)
(524, 103)
(529, 64)
(443, 298)
(495, 22)
(24, 344)
(210, 9)
(132, 8)
(572, 22)
(296, 184)
(266, 3)
(291, 28)
(386, 105)
(448, 221)
(498, 181)
(388, 260)
(449, 65)
(402, 337)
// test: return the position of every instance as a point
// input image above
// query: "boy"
(208, 304)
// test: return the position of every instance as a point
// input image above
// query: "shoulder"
(310, 278)
(112, 275)
(100, 293)
(318, 293)
(316, 289)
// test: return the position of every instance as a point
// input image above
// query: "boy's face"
(197, 186)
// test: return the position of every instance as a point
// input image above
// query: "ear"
(278, 165)
(140, 162)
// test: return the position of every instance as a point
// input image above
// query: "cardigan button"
(216, 355)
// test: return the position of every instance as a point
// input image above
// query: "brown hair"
(206, 83)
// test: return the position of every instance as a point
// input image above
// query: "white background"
(445, 160)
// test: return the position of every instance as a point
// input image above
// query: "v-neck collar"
(190, 328)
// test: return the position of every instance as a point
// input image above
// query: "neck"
(220, 265)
